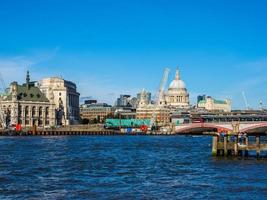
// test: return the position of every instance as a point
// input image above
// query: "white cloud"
(14, 68)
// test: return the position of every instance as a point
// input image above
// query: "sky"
(112, 47)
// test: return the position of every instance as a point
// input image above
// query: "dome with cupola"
(177, 95)
(177, 83)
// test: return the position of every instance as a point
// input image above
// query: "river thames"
(125, 167)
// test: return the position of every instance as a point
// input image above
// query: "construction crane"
(3, 85)
(245, 100)
(261, 105)
(159, 94)
(2, 114)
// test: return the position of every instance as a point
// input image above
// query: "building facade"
(96, 112)
(211, 104)
(146, 110)
(27, 105)
(66, 98)
(125, 113)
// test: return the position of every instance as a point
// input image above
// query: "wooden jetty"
(238, 144)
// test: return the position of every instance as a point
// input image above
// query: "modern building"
(123, 101)
(90, 101)
(66, 98)
(177, 95)
(27, 105)
(96, 112)
(211, 104)
(126, 101)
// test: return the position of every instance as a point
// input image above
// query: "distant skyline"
(113, 47)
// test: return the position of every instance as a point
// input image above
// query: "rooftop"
(27, 92)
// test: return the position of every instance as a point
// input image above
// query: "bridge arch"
(257, 128)
(200, 128)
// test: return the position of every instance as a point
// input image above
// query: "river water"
(125, 167)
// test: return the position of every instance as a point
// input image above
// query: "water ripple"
(124, 168)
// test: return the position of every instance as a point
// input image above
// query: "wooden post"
(215, 146)
(34, 129)
(258, 145)
(225, 146)
(246, 143)
(236, 146)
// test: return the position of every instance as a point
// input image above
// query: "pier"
(239, 145)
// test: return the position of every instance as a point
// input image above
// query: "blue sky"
(110, 47)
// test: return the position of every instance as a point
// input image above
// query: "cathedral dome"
(177, 83)
(177, 95)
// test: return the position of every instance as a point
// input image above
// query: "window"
(46, 122)
(27, 111)
(20, 110)
(47, 111)
(33, 111)
(41, 111)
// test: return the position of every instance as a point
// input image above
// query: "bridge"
(201, 128)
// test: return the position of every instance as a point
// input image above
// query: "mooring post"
(246, 143)
(258, 150)
(236, 145)
(225, 145)
(214, 145)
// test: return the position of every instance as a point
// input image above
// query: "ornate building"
(27, 105)
(66, 98)
(177, 95)
(211, 104)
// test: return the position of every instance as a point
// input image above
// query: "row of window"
(33, 111)
(34, 122)
(178, 98)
